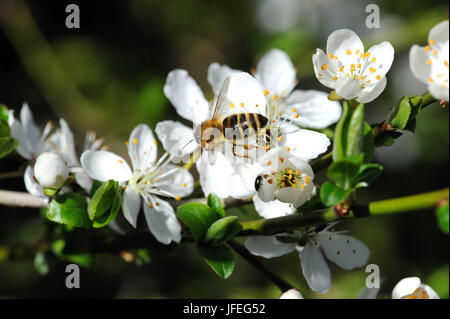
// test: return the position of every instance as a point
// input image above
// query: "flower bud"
(291, 294)
(50, 170)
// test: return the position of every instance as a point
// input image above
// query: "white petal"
(405, 287)
(306, 144)
(186, 96)
(345, 251)
(245, 95)
(314, 108)
(320, 59)
(242, 182)
(371, 93)
(276, 73)
(212, 177)
(430, 291)
(84, 181)
(177, 139)
(104, 165)
(267, 246)
(179, 183)
(438, 92)
(162, 222)
(267, 187)
(131, 205)
(348, 88)
(291, 294)
(217, 74)
(31, 131)
(296, 196)
(439, 32)
(417, 63)
(315, 269)
(383, 54)
(273, 208)
(32, 186)
(344, 41)
(142, 147)
(24, 148)
(67, 145)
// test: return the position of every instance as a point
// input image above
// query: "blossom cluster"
(275, 133)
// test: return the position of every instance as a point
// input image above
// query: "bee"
(235, 129)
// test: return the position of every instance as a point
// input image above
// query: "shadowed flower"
(429, 64)
(412, 288)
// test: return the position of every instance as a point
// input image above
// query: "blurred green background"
(109, 74)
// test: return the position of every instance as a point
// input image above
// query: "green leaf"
(219, 258)
(367, 174)
(197, 217)
(399, 114)
(95, 185)
(4, 113)
(4, 128)
(313, 203)
(104, 199)
(215, 203)
(81, 259)
(110, 216)
(343, 173)
(349, 133)
(50, 191)
(69, 209)
(7, 145)
(222, 230)
(368, 143)
(331, 194)
(288, 239)
(442, 217)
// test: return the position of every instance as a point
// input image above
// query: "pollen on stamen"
(178, 197)
(296, 116)
(341, 68)
(232, 105)
(324, 67)
(357, 52)
(135, 141)
(242, 104)
(269, 163)
(288, 149)
(378, 77)
(373, 70)
(280, 138)
(270, 181)
(435, 53)
(330, 55)
(267, 147)
(275, 96)
(427, 48)
(124, 187)
(373, 60)
(359, 66)
(349, 52)
(428, 61)
(126, 142)
(120, 161)
(184, 184)
(150, 205)
(155, 142)
(256, 105)
(157, 204)
(266, 176)
(430, 80)
(266, 92)
(446, 63)
(432, 42)
(335, 78)
(294, 110)
(281, 159)
(307, 179)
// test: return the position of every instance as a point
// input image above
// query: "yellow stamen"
(135, 141)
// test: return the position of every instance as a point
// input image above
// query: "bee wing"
(222, 100)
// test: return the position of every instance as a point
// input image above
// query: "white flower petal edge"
(131, 205)
(177, 139)
(430, 64)
(162, 222)
(217, 74)
(315, 268)
(306, 144)
(314, 108)
(186, 96)
(291, 294)
(32, 186)
(272, 209)
(142, 147)
(353, 73)
(104, 165)
(276, 73)
(268, 246)
(213, 177)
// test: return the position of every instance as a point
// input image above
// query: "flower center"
(291, 177)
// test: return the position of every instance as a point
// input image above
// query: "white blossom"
(144, 182)
(50, 170)
(352, 72)
(345, 251)
(291, 294)
(412, 288)
(429, 64)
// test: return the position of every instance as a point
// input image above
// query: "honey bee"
(235, 129)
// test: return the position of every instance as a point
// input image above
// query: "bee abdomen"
(241, 125)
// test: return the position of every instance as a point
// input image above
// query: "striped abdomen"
(241, 125)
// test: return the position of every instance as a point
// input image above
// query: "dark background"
(109, 74)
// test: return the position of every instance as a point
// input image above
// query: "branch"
(384, 207)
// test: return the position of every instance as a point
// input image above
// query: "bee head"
(210, 136)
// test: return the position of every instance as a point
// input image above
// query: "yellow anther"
(307, 179)
(296, 116)
(362, 77)
(341, 68)
(294, 110)
(242, 104)
(432, 42)
(275, 96)
(135, 141)
(349, 52)
(270, 181)
(378, 77)
(303, 186)
(120, 161)
(126, 142)
(269, 163)
(330, 55)
(280, 138)
(446, 63)
(155, 142)
(435, 53)
(428, 61)
(290, 171)
(184, 184)
(282, 159)
(427, 48)
(357, 51)
(266, 92)
(267, 147)
(232, 105)
(359, 66)
(150, 205)
(157, 204)
(430, 80)
(335, 78)
(373, 60)
(373, 70)
(178, 197)
(124, 187)
(288, 149)
(325, 66)
(352, 67)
